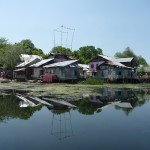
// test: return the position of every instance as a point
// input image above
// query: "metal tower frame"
(65, 37)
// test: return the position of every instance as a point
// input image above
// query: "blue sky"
(111, 25)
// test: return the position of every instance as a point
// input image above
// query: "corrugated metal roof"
(27, 62)
(42, 62)
(26, 57)
(107, 57)
(114, 63)
(61, 64)
(21, 69)
(129, 59)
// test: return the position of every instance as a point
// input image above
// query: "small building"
(64, 71)
(116, 72)
(22, 71)
(38, 69)
(100, 59)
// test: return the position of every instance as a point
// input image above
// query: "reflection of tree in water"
(9, 108)
(86, 107)
(61, 124)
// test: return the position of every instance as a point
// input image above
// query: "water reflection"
(66, 128)
(9, 109)
(125, 100)
(61, 125)
(122, 99)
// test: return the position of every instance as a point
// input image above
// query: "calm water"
(115, 120)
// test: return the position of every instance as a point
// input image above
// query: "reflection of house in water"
(61, 124)
(120, 98)
(27, 101)
(116, 94)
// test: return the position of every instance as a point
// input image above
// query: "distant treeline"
(9, 53)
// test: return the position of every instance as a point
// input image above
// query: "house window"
(92, 65)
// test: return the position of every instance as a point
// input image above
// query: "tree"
(10, 56)
(141, 61)
(27, 46)
(61, 50)
(129, 53)
(86, 53)
(9, 53)
(3, 42)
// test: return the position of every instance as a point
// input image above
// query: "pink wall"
(95, 64)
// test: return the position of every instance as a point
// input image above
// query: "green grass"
(93, 81)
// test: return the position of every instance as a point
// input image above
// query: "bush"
(93, 81)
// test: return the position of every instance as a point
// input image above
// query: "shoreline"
(64, 90)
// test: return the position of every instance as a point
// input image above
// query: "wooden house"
(116, 72)
(100, 59)
(22, 71)
(38, 69)
(64, 71)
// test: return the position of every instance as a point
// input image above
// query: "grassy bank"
(65, 91)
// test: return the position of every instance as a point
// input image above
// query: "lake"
(116, 119)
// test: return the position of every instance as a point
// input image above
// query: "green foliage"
(141, 60)
(93, 81)
(87, 108)
(27, 46)
(9, 53)
(129, 53)
(61, 50)
(9, 108)
(3, 42)
(86, 53)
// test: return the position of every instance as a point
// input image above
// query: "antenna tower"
(63, 36)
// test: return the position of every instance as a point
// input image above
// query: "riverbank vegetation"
(62, 90)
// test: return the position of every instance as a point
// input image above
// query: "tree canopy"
(61, 50)
(9, 53)
(129, 53)
(87, 53)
